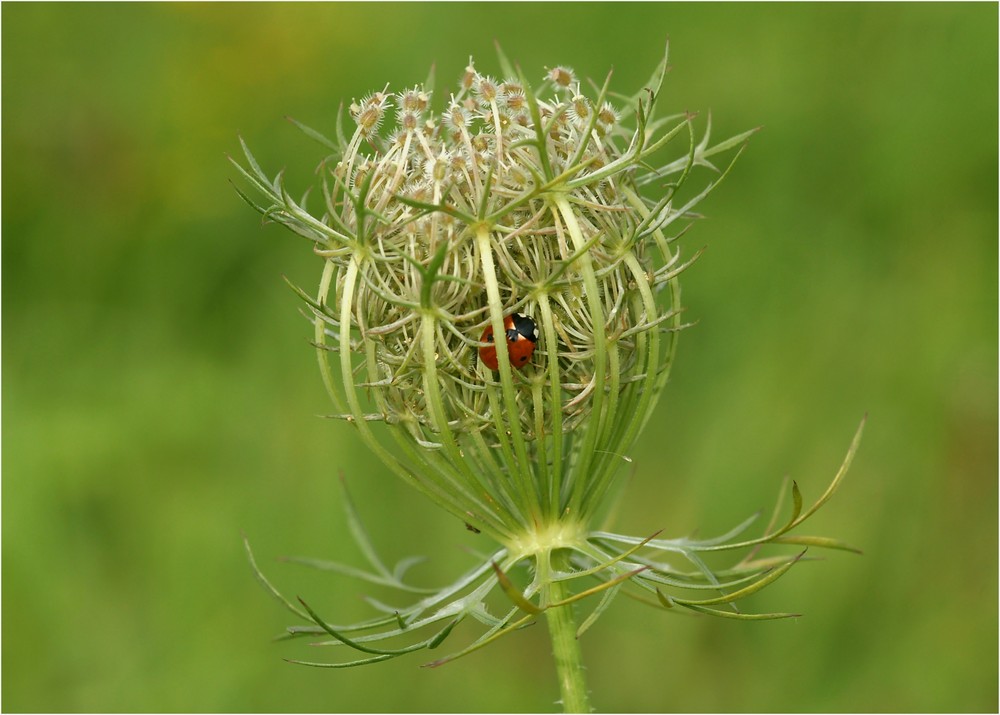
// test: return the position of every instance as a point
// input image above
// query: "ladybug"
(522, 336)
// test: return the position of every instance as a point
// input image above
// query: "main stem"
(565, 645)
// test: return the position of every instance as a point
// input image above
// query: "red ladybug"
(522, 336)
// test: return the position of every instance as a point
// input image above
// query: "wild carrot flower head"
(447, 215)
(508, 199)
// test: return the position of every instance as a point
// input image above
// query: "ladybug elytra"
(522, 336)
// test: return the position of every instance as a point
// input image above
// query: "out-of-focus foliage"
(159, 394)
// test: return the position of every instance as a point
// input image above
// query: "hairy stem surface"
(565, 645)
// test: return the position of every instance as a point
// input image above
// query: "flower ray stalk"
(434, 233)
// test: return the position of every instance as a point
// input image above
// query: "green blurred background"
(159, 394)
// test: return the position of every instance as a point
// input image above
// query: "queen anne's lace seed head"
(456, 117)
(486, 89)
(562, 77)
(412, 100)
(437, 168)
(501, 294)
(514, 99)
(369, 112)
(579, 111)
(409, 120)
(608, 115)
(469, 77)
(463, 218)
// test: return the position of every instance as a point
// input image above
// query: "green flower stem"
(565, 645)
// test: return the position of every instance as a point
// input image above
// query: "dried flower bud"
(561, 76)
